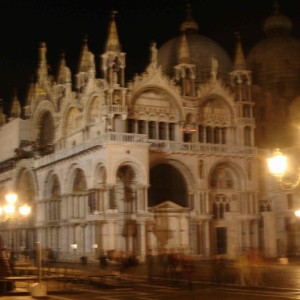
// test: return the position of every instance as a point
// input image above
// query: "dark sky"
(62, 24)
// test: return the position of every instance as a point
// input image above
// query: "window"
(130, 126)
(141, 126)
(152, 130)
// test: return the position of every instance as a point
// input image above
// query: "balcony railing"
(155, 145)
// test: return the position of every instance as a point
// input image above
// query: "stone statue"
(214, 67)
(153, 54)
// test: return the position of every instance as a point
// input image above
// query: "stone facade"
(157, 164)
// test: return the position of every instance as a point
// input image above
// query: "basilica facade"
(165, 162)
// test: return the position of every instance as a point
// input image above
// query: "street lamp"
(9, 212)
(277, 165)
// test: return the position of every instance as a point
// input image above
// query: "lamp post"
(9, 212)
(278, 165)
(95, 247)
(74, 247)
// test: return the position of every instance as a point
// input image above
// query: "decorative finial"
(113, 14)
(276, 7)
(153, 50)
(214, 67)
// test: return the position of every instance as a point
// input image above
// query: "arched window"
(220, 205)
(46, 130)
(79, 184)
(224, 178)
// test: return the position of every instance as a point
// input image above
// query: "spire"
(15, 111)
(239, 61)
(276, 7)
(42, 70)
(86, 62)
(183, 50)
(189, 24)
(112, 43)
(63, 72)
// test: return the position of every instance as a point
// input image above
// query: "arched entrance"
(167, 184)
(168, 200)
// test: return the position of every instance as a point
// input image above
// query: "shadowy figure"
(189, 271)
(219, 264)
(5, 269)
(242, 264)
(150, 265)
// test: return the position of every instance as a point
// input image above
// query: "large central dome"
(201, 49)
(275, 61)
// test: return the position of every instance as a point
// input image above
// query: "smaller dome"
(189, 24)
(278, 23)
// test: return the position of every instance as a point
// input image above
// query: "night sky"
(62, 24)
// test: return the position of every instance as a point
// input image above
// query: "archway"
(167, 184)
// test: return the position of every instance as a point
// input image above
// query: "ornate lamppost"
(278, 165)
(9, 212)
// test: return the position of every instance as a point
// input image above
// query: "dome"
(201, 51)
(278, 23)
(275, 61)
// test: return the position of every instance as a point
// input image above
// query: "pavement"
(68, 276)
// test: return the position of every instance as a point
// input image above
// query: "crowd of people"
(247, 269)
